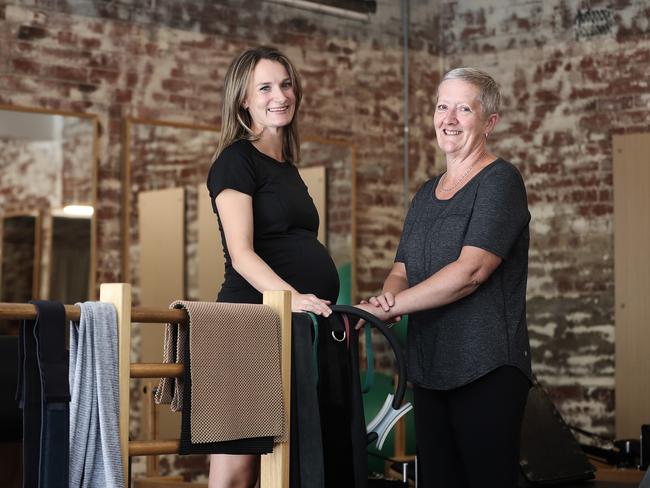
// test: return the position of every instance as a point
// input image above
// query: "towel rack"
(274, 470)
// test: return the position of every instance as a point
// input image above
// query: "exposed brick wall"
(77, 152)
(571, 79)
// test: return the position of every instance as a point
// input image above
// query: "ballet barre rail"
(156, 370)
(27, 311)
(153, 448)
(147, 315)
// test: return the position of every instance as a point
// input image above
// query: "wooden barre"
(151, 315)
(150, 448)
(156, 370)
(27, 311)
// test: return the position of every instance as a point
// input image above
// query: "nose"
(279, 94)
(450, 116)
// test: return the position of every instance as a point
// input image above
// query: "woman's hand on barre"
(310, 303)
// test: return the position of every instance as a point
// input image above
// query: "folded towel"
(236, 385)
(252, 445)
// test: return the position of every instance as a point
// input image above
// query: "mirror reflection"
(161, 156)
(19, 274)
(70, 259)
(46, 164)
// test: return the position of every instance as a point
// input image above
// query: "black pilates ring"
(400, 390)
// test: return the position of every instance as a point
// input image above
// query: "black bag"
(550, 455)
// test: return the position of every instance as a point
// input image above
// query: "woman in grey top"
(460, 274)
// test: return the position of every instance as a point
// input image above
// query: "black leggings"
(469, 437)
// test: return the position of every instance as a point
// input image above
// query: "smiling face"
(270, 98)
(461, 126)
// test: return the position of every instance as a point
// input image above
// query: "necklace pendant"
(458, 182)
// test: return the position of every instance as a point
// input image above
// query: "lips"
(278, 110)
(450, 132)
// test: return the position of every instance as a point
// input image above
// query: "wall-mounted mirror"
(47, 167)
(19, 254)
(70, 259)
(161, 155)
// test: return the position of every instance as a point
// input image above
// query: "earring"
(486, 135)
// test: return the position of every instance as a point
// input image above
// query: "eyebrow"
(270, 82)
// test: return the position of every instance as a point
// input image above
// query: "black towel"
(44, 395)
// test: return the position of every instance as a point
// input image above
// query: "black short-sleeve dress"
(285, 224)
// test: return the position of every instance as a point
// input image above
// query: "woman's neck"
(458, 164)
(271, 142)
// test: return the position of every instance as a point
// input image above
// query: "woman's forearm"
(259, 274)
(395, 284)
(444, 287)
(453, 282)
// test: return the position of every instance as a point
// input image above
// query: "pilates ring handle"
(392, 340)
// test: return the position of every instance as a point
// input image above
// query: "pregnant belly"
(304, 263)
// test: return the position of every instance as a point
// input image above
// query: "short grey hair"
(489, 90)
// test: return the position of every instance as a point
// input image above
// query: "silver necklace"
(458, 182)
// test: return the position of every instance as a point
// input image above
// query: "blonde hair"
(236, 121)
(489, 90)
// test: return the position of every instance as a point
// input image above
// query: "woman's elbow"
(238, 260)
(479, 275)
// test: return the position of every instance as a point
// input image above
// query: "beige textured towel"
(235, 368)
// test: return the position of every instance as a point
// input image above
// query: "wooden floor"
(607, 473)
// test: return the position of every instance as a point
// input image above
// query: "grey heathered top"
(455, 344)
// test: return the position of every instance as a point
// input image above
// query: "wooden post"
(152, 425)
(119, 294)
(275, 466)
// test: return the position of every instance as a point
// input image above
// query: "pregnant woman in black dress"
(268, 221)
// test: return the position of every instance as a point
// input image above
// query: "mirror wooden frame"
(94, 120)
(128, 124)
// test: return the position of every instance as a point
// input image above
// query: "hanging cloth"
(44, 396)
(231, 390)
(343, 424)
(95, 456)
(306, 457)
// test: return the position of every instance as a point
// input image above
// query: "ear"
(491, 123)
